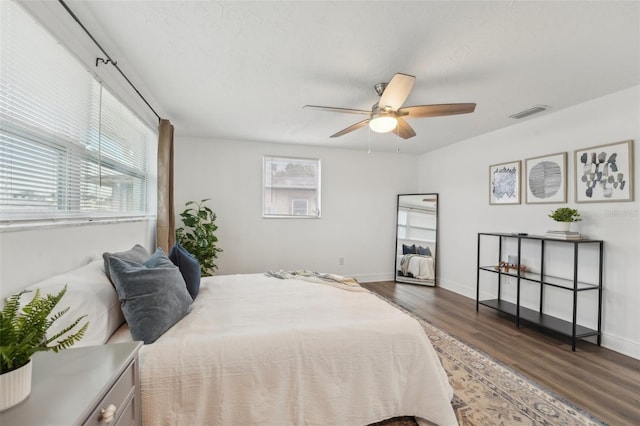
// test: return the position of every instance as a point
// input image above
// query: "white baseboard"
(621, 345)
(366, 278)
(456, 288)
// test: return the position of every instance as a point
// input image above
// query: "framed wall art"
(546, 179)
(604, 173)
(504, 183)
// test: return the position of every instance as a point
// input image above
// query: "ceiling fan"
(388, 114)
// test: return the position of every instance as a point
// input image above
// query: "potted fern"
(197, 235)
(23, 332)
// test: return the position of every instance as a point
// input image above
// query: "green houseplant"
(197, 235)
(23, 332)
(565, 214)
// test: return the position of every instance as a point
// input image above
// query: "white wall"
(460, 174)
(27, 256)
(358, 207)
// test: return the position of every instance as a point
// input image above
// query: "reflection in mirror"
(416, 236)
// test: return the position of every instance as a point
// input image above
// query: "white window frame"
(266, 187)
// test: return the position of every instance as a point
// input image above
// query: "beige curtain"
(166, 228)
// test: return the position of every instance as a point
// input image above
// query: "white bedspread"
(257, 350)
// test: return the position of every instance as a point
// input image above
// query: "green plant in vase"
(565, 214)
(23, 332)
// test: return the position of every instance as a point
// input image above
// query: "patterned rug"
(489, 393)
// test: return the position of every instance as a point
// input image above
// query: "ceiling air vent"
(527, 112)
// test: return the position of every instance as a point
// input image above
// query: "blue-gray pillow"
(409, 249)
(425, 251)
(189, 268)
(153, 295)
(137, 254)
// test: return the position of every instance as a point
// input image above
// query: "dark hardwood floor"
(601, 381)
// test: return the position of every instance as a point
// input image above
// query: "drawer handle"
(107, 414)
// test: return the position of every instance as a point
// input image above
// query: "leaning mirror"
(416, 238)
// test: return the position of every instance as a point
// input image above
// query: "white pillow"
(89, 292)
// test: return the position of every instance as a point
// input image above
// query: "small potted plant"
(564, 216)
(22, 334)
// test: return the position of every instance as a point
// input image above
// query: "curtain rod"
(109, 60)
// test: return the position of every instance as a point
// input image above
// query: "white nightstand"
(71, 387)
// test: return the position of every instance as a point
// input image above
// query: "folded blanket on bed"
(338, 281)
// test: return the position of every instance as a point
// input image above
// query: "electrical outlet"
(341, 261)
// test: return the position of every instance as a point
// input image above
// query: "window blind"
(68, 147)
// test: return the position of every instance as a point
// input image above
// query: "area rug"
(487, 392)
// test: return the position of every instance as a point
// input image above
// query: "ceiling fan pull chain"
(369, 142)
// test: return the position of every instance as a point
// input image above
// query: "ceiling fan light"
(383, 124)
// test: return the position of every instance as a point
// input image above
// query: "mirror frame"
(410, 280)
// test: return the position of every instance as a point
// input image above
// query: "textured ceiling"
(243, 70)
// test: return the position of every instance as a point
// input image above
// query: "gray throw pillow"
(425, 251)
(137, 254)
(153, 295)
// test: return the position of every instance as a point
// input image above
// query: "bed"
(414, 259)
(257, 350)
(416, 266)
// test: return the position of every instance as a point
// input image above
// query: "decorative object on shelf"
(564, 216)
(546, 179)
(507, 266)
(197, 235)
(23, 332)
(604, 173)
(504, 183)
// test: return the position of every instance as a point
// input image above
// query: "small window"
(291, 187)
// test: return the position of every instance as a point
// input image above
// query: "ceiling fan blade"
(404, 130)
(396, 92)
(332, 109)
(351, 128)
(436, 110)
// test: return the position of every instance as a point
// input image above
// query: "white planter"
(15, 386)
(563, 226)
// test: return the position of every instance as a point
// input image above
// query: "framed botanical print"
(546, 179)
(504, 183)
(604, 173)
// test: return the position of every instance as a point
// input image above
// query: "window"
(68, 147)
(291, 187)
(416, 224)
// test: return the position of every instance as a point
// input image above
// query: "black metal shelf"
(538, 317)
(541, 320)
